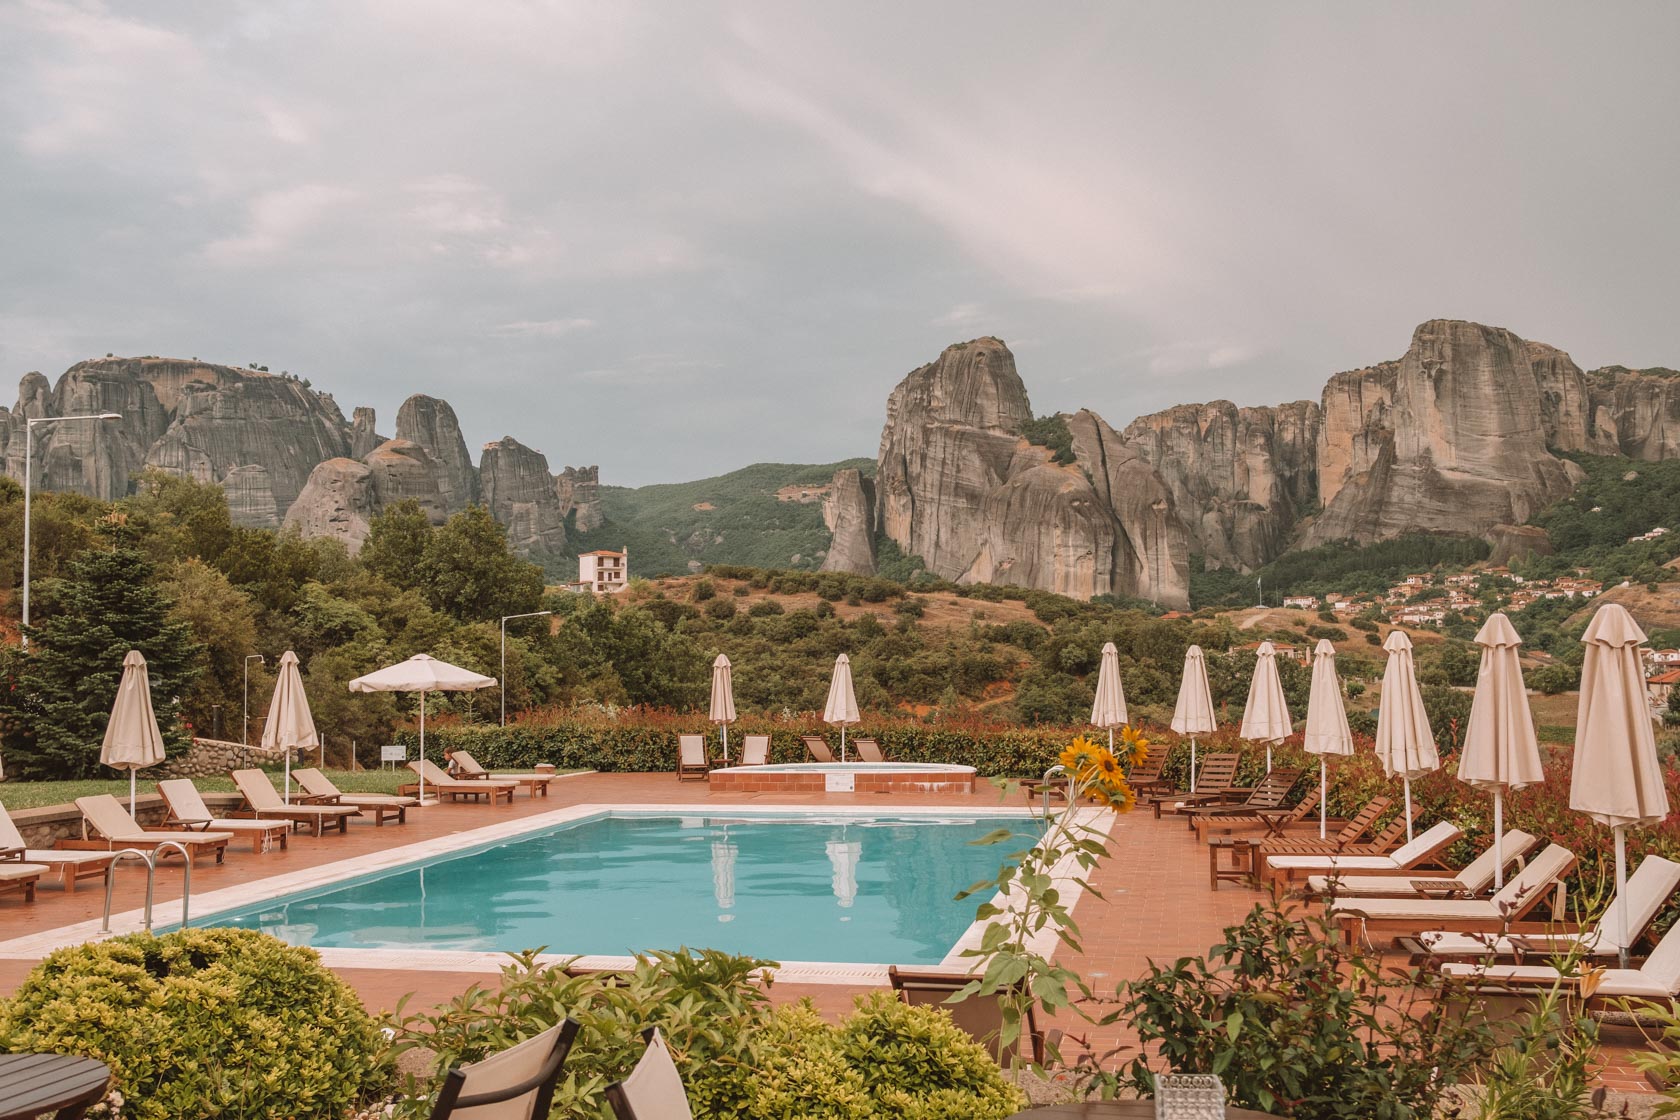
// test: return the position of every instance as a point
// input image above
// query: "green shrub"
(765, 608)
(204, 1022)
(702, 590)
(722, 609)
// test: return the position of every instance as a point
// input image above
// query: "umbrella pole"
(288, 775)
(1268, 758)
(131, 791)
(1323, 793)
(1621, 894)
(1192, 764)
(842, 742)
(1408, 784)
(1498, 839)
(726, 742)
(1111, 740)
(422, 746)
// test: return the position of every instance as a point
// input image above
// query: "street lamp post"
(28, 478)
(501, 684)
(245, 725)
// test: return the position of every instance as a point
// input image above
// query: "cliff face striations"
(521, 494)
(432, 425)
(849, 512)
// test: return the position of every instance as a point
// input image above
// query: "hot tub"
(845, 777)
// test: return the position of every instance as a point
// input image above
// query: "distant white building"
(1303, 602)
(604, 571)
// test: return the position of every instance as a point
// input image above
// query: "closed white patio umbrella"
(724, 854)
(1501, 751)
(1617, 779)
(1327, 723)
(422, 674)
(723, 699)
(843, 857)
(841, 710)
(1405, 743)
(1193, 714)
(1109, 708)
(290, 725)
(1266, 714)
(132, 739)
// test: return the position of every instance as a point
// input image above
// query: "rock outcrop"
(579, 491)
(849, 512)
(250, 496)
(364, 435)
(432, 425)
(401, 471)
(337, 502)
(1517, 542)
(521, 494)
(1150, 557)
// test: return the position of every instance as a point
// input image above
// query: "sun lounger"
(1534, 884)
(654, 1089)
(1475, 879)
(318, 789)
(68, 865)
(1648, 890)
(187, 810)
(516, 1082)
(981, 1018)
(755, 750)
(265, 802)
(868, 750)
(1657, 979)
(1418, 854)
(1215, 779)
(818, 746)
(691, 758)
(467, 767)
(1276, 822)
(1356, 827)
(1267, 794)
(15, 875)
(1145, 778)
(454, 788)
(107, 826)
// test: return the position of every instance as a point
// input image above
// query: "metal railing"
(150, 860)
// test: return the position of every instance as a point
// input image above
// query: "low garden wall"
(44, 827)
(215, 758)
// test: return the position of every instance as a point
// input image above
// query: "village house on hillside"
(602, 572)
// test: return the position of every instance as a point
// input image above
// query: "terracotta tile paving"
(1158, 902)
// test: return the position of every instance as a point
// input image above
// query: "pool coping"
(491, 962)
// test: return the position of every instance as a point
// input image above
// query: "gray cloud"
(673, 239)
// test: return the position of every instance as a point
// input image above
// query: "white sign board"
(839, 783)
(393, 753)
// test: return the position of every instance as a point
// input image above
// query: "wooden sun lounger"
(67, 866)
(443, 785)
(1506, 911)
(15, 875)
(1215, 779)
(1658, 978)
(692, 763)
(108, 827)
(264, 802)
(318, 789)
(1415, 857)
(755, 751)
(1268, 794)
(1383, 843)
(186, 809)
(818, 746)
(1474, 880)
(1275, 822)
(1350, 833)
(468, 769)
(868, 750)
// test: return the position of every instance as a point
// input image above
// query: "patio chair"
(818, 746)
(1276, 822)
(1421, 852)
(1267, 794)
(980, 1018)
(513, 1084)
(1648, 890)
(318, 789)
(1214, 779)
(755, 751)
(1145, 777)
(1475, 879)
(654, 1089)
(456, 789)
(868, 750)
(69, 866)
(185, 807)
(468, 769)
(15, 875)
(264, 802)
(1504, 912)
(1658, 978)
(1350, 833)
(112, 827)
(691, 758)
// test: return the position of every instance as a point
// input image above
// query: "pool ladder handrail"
(150, 860)
(1045, 785)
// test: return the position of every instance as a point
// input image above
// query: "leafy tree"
(190, 518)
(106, 606)
(396, 544)
(223, 621)
(1671, 715)
(61, 527)
(271, 567)
(467, 572)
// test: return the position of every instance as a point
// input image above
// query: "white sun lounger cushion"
(1402, 857)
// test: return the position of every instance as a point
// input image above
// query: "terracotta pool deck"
(1157, 901)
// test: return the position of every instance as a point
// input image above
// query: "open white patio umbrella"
(1109, 708)
(1328, 732)
(290, 726)
(422, 674)
(1404, 742)
(1617, 779)
(723, 699)
(1501, 751)
(132, 739)
(841, 710)
(1266, 715)
(1193, 714)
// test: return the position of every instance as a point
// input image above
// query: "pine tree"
(105, 606)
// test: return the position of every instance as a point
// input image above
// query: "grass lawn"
(31, 795)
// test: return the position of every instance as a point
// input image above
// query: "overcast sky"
(675, 239)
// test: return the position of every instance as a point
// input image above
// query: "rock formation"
(1517, 542)
(250, 496)
(521, 494)
(364, 436)
(431, 424)
(337, 502)
(1150, 557)
(403, 471)
(579, 491)
(849, 512)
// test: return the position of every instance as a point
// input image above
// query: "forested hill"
(768, 515)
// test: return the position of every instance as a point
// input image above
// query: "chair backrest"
(514, 1084)
(183, 799)
(1365, 818)
(755, 750)
(433, 773)
(1426, 843)
(869, 750)
(315, 783)
(10, 837)
(1272, 789)
(1648, 889)
(1477, 875)
(1525, 890)
(1216, 772)
(1392, 831)
(107, 815)
(1148, 768)
(466, 763)
(980, 1017)
(692, 749)
(818, 746)
(258, 790)
(654, 1089)
(1306, 805)
(1663, 965)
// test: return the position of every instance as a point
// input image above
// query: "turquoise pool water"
(874, 890)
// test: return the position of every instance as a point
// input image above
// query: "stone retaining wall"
(44, 827)
(210, 758)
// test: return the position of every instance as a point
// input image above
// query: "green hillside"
(734, 518)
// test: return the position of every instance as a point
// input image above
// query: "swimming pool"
(849, 889)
